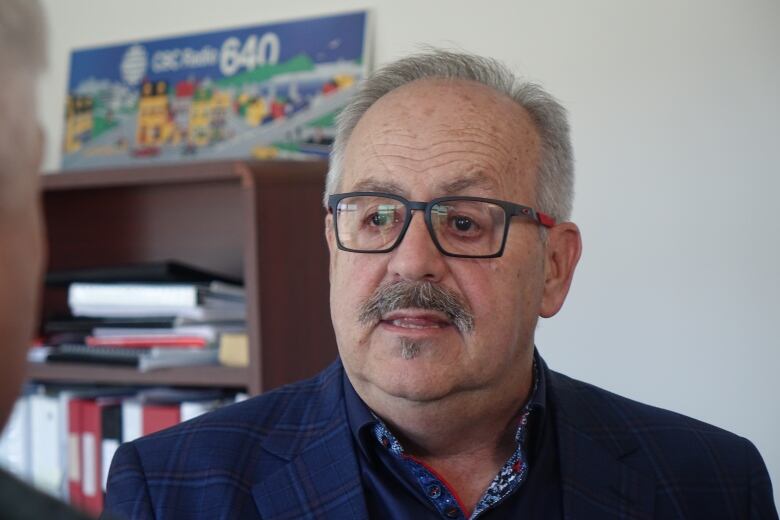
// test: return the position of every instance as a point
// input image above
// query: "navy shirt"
(397, 486)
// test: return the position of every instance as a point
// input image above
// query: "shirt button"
(385, 441)
(452, 512)
(434, 491)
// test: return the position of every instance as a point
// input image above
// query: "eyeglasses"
(463, 227)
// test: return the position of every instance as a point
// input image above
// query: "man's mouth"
(408, 306)
(416, 320)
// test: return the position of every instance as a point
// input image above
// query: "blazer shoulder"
(625, 422)
(687, 457)
(604, 405)
(298, 407)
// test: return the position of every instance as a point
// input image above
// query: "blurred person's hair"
(555, 176)
(22, 59)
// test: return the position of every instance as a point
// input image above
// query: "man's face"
(21, 245)
(429, 139)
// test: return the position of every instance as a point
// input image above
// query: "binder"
(92, 452)
(47, 471)
(15, 445)
(111, 423)
(132, 420)
(157, 417)
(75, 431)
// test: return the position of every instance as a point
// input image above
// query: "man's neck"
(465, 437)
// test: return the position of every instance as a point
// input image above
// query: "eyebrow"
(380, 186)
(469, 181)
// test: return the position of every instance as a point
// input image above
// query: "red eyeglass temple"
(545, 220)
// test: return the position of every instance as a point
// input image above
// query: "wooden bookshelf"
(207, 376)
(259, 221)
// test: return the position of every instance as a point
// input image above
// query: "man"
(22, 58)
(448, 198)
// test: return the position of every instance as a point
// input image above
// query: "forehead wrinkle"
(402, 163)
(483, 147)
(414, 158)
(374, 155)
(500, 150)
(497, 142)
(384, 186)
(448, 135)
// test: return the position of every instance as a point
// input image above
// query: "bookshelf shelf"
(258, 221)
(208, 376)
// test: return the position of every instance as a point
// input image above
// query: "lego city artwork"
(263, 92)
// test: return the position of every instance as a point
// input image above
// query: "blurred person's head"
(22, 58)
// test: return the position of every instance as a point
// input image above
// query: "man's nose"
(416, 257)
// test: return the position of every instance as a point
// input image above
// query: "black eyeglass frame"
(510, 210)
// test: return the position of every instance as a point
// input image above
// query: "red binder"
(157, 417)
(75, 430)
(91, 438)
(92, 412)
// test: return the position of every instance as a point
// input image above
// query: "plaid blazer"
(289, 454)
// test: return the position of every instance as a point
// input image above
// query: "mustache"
(393, 296)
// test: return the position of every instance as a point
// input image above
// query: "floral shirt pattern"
(511, 476)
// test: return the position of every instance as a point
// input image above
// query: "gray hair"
(555, 178)
(22, 59)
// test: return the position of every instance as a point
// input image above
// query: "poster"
(263, 92)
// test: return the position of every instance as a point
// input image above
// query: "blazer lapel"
(321, 478)
(596, 452)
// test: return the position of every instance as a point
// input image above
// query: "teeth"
(406, 324)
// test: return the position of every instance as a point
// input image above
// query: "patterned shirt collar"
(371, 433)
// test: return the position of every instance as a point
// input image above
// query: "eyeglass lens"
(462, 227)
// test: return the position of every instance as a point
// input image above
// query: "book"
(86, 325)
(146, 341)
(157, 358)
(234, 350)
(198, 313)
(167, 271)
(208, 331)
(171, 296)
(144, 359)
(85, 354)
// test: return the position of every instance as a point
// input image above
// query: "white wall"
(675, 108)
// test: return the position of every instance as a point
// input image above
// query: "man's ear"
(562, 252)
(330, 238)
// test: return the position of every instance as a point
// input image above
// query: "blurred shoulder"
(19, 500)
